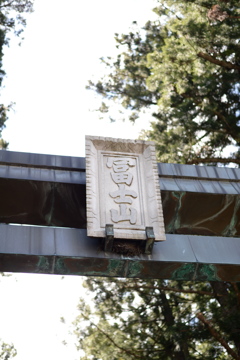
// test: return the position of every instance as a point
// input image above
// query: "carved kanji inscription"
(122, 188)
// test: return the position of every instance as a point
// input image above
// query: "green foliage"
(155, 319)
(7, 351)
(12, 16)
(185, 68)
(11, 21)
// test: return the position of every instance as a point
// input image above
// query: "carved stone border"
(145, 185)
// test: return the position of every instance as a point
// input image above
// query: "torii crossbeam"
(43, 222)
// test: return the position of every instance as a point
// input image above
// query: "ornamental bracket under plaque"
(123, 188)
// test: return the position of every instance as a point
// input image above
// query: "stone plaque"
(122, 188)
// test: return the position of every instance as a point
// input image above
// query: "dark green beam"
(51, 250)
(201, 207)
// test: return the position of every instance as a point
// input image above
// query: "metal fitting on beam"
(108, 243)
(150, 240)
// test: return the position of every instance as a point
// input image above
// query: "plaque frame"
(122, 180)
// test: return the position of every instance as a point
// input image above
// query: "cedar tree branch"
(217, 336)
(225, 64)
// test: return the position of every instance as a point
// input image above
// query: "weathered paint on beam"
(69, 251)
(43, 161)
(64, 204)
(49, 190)
(66, 169)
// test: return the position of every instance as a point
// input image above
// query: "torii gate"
(43, 222)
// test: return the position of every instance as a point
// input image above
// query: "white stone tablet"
(122, 188)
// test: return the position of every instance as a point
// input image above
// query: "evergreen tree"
(185, 68)
(7, 351)
(155, 319)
